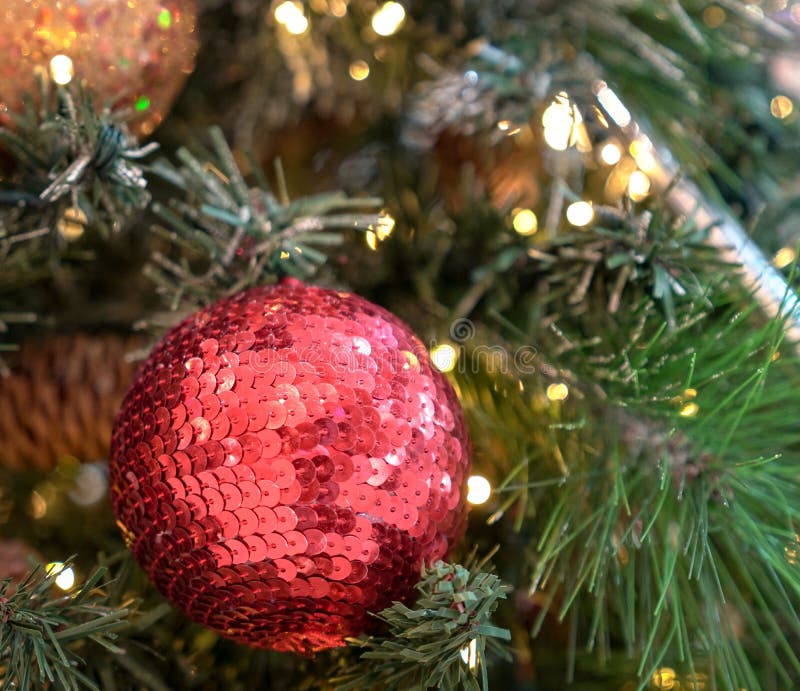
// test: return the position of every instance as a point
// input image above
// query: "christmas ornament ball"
(135, 54)
(284, 462)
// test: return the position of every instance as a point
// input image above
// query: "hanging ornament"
(284, 462)
(134, 54)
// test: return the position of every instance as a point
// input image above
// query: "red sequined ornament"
(284, 462)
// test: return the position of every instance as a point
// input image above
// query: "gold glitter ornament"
(131, 54)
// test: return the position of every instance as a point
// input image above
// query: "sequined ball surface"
(131, 53)
(284, 461)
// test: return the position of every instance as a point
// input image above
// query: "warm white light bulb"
(478, 490)
(558, 121)
(444, 357)
(359, 70)
(388, 18)
(525, 222)
(580, 214)
(61, 69)
(612, 105)
(64, 577)
(610, 153)
(638, 185)
(557, 392)
(292, 16)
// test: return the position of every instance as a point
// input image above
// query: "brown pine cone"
(60, 399)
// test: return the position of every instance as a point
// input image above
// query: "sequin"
(286, 476)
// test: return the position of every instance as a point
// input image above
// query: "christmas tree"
(289, 286)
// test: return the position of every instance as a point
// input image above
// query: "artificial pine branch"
(230, 235)
(673, 520)
(37, 628)
(70, 159)
(69, 640)
(427, 644)
(663, 57)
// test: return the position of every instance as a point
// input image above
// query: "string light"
(638, 186)
(783, 257)
(359, 70)
(612, 105)
(610, 153)
(557, 392)
(72, 223)
(61, 69)
(385, 226)
(388, 18)
(689, 410)
(665, 678)
(469, 654)
(443, 357)
(580, 214)
(292, 17)
(642, 152)
(525, 222)
(371, 240)
(781, 106)
(64, 576)
(714, 16)
(558, 121)
(479, 489)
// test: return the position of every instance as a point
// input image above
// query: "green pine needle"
(229, 235)
(37, 627)
(427, 643)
